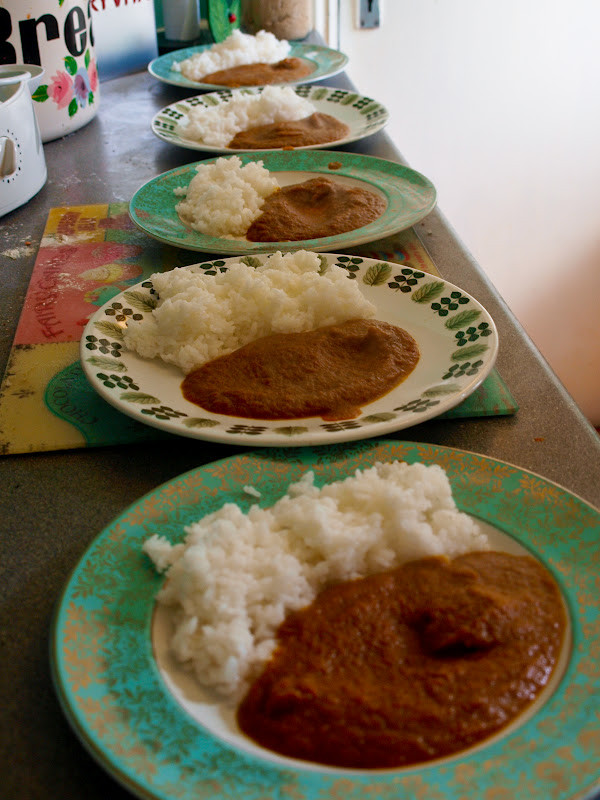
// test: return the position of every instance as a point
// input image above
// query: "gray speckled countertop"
(53, 504)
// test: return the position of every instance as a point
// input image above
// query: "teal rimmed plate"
(325, 62)
(120, 704)
(409, 197)
(362, 115)
(457, 340)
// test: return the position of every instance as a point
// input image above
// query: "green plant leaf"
(462, 319)
(319, 93)
(87, 58)
(102, 362)
(377, 274)
(111, 329)
(72, 107)
(70, 65)
(466, 353)
(139, 397)
(140, 300)
(41, 93)
(428, 291)
(350, 98)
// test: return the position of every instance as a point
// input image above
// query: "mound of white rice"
(217, 125)
(236, 576)
(224, 198)
(200, 317)
(238, 49)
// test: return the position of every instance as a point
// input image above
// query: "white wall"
(498, 103)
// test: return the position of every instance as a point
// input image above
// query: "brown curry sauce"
(329, 372)
(259, 74)
(313, 209)
(317, 128)
(409, 665)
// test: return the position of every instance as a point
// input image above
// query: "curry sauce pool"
(317, 128)
(259, 74)
(409, 665)
(313, 209)
(329, 372)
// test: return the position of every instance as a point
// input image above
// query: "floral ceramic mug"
(57, 35)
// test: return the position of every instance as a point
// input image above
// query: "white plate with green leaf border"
(457, 339)
(362, 115)
(324, 61)
(408, 195)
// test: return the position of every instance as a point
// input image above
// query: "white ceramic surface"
(457, 340)
(362, 115)
(56, 35)
(22, 162)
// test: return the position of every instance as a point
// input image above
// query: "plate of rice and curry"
(288, 349)
(244, 60)
(382, 619)
(275, 200)
(269, 118)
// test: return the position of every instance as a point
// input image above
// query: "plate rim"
(299, 49)
(403, 450)
(270, 439)
(363, 235)
(190, 144)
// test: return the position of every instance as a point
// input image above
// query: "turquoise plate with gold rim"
(325, 62)
(120, 703)
(409, 196)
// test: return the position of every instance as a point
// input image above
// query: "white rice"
(217, 125)
(200, 317)
(238, 49)
(224, 198)
(236, 576)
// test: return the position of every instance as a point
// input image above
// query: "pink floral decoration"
(61, 89)
(93, 75)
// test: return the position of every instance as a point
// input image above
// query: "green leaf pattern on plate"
(141, 398)
(429, 291)
(384, 416)
(111, 329)
(291, 430)
(140, 301)
(102, 362)
(200, 422)
(441, 389)
(377, 274)
(362, 115)
(469, 352)
(462, 319)
(466, 359)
